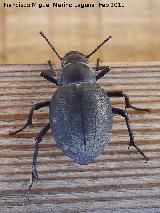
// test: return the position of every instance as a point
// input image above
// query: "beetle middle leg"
(127, 102)
(38, 140)
(124, 114)
(30, 116)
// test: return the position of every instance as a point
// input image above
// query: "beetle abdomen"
(81, 120)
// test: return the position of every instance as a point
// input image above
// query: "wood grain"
(118, 180)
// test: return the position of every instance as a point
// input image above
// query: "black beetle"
(80, 112)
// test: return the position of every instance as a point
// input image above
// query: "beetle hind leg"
(30, 116)
(38, 140)
(124, 114)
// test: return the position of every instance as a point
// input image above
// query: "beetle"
(80, 112)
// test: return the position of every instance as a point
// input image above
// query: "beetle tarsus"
(38, 140)
(51, 67)
(140, 151)
(33, 179)
(124, 114)
(21, 129)
(98, 64)
(30, 116)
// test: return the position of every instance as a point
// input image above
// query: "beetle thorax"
(75, 69)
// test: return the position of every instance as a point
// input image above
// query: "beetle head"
(74, 57)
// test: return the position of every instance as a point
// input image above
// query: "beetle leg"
(38, 140)
(30, 116)
(104, 70)
(98, 64)
(49, 76)
(124, 114)
(127, 102)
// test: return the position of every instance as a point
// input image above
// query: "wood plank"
(118, 180)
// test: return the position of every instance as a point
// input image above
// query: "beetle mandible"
(80, 112)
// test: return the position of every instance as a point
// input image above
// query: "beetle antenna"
(98, 46)
(50, 45)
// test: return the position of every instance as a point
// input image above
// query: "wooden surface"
(119, 180)
(135, 29)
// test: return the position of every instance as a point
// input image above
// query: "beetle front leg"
(48, 75)
(124, 114)
(127, 102)
(38, 140)
(30, 116)
(104, 70)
